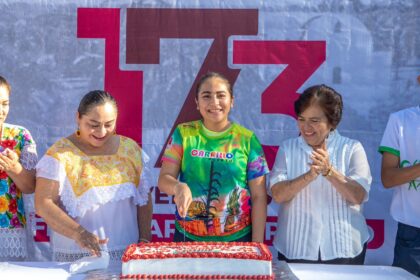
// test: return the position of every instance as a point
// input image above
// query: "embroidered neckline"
(83, 154)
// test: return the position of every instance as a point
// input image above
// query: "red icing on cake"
(163, 250)
(198, 250)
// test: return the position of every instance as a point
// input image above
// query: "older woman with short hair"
(321, 180)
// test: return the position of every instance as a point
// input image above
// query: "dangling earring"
(115, 132)
(77, 133)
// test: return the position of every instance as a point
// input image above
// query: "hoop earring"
(77, 133)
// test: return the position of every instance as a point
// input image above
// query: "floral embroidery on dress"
(12, 213)
(87, 172)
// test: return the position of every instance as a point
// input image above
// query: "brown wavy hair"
(326, 97)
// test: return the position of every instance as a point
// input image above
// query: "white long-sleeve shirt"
(318, 218)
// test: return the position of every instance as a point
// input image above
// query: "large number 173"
(145, 28)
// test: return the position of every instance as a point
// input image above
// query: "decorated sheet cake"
(197, 260)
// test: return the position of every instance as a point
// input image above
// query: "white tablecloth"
(349, 272)
(60, 271)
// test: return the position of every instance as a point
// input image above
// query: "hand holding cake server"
(220, 194)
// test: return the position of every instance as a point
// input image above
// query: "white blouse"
(111, 210)
(318, 219)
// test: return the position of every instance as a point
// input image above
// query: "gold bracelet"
(80, 230)
(329, 172)
(144, 240)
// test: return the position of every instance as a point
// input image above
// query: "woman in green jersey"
(216, 170)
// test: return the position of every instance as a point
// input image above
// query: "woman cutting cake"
(216, 170)
(89, 182)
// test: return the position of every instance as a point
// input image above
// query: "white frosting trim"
(197, 266)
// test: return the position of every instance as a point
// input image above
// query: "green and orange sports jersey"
(217, 167)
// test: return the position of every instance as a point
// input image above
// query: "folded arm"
(286, 190)
(350, 189)
(393, 175)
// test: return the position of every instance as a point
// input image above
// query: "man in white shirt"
(400, 148)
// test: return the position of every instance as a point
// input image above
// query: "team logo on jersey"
(413, 184)
(211, 154)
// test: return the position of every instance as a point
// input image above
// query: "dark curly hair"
(326, 97)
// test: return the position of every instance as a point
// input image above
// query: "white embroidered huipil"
(318, 219)
(99, 192)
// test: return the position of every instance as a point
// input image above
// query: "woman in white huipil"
(321, 179)
(89, 186)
